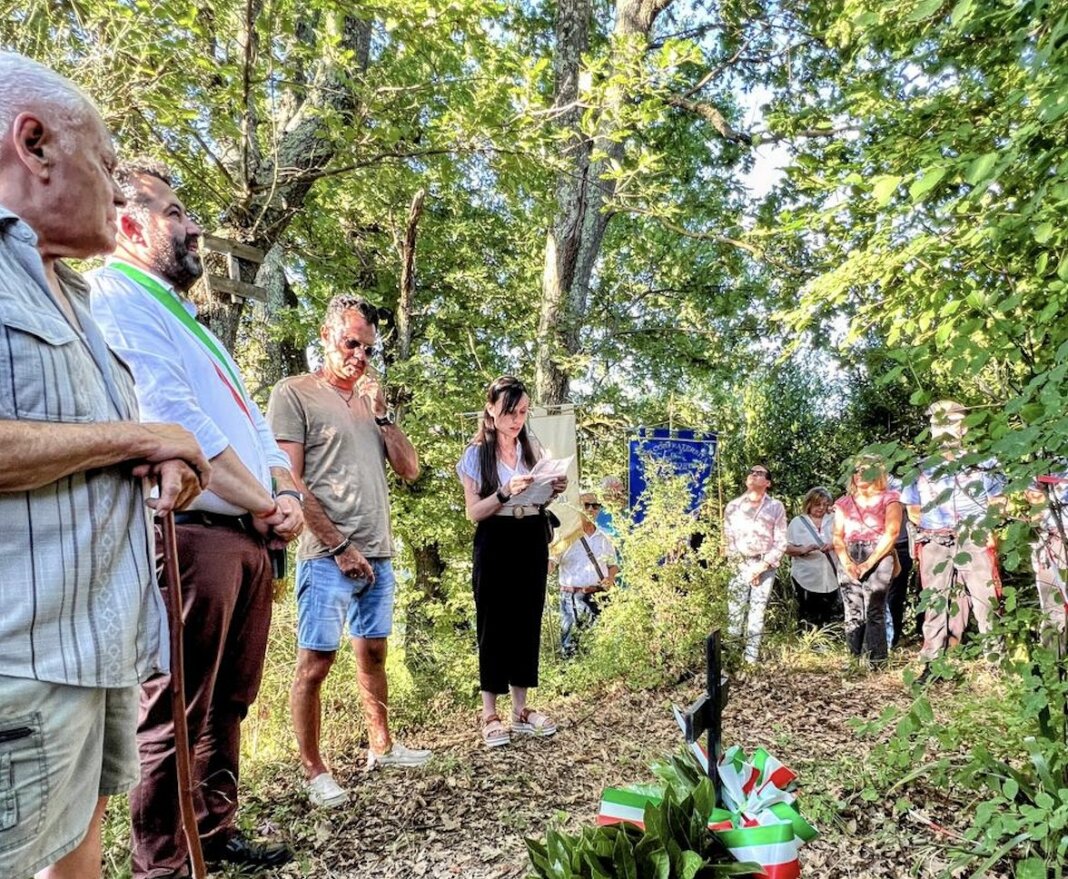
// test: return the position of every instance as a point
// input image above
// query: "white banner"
(557, 434)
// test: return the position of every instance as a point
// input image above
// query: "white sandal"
(529, 722)
(494, 732)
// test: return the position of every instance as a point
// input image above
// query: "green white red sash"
(759, 822)
(173, 305)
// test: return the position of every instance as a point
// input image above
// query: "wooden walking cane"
(173, 579)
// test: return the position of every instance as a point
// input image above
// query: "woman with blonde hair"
(866, 524)
(812, 567)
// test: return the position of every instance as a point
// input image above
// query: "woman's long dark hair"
(512, 391)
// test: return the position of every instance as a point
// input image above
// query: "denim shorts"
(327, 599)
(61, 749)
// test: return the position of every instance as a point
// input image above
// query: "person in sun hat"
(586, 565)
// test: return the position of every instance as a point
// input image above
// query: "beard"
(177, 263)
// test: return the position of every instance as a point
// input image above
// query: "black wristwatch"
(385, 420)
(290, 492)
(340, 548)
(502, 497)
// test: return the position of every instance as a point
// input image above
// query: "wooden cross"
(706, 714)
(236, 254)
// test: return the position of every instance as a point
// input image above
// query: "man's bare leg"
(374, 690)
(305, 706)
(84, 861)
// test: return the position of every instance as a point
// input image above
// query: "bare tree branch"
(713, 117)
(407, 279)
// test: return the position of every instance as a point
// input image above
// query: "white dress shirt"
(177, 379)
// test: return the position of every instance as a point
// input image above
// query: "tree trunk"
(277, 180)
(407, 279)
(574, 241)
(281, 356)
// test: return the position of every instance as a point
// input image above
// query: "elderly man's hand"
(164, 442)
(178, 485)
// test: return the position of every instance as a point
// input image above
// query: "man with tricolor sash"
(183, 374)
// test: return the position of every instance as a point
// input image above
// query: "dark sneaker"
(244, 852)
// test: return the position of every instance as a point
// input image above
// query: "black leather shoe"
(244, 852)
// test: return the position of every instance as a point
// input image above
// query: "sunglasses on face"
(592, 506)
(763, 473)
(354, 344)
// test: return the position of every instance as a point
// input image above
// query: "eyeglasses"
(592, 506)
(763, 473)
(353, 344)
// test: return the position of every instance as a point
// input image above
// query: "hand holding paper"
(545, 473)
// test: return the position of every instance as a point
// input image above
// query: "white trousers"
(746, 603)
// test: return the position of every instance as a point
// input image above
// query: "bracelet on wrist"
(503, 496)
(269, 513)
(340, 548)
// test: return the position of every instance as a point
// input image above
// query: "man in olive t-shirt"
(336, 428)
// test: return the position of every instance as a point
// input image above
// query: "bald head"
(56, 161)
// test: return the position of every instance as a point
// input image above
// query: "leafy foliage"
(675, 843)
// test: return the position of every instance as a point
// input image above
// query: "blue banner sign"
(680, 452)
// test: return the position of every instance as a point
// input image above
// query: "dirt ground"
(467, 813)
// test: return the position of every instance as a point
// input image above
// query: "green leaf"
(980, 169)
(623, 858)
(661, 864)
(690, 864)
(961, 13)
(883, 188)
(1042, 232)
(1031, 868)
(924, 10)
(930, 179)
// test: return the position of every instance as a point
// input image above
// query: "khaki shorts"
(61, 749)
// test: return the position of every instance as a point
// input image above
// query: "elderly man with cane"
(83, 620)
(184, 374)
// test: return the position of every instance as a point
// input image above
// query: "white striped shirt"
(78, 594)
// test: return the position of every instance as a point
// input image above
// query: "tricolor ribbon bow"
(759, 822)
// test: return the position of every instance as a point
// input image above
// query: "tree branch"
(712, 116)
(716, 238)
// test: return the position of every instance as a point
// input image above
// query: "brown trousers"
(226, 590)
(975, 589)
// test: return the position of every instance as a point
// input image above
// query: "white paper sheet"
(544, 472)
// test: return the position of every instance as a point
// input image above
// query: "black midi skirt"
(511, 563)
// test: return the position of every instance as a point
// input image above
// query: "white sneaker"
(323, 791)
(398, 755)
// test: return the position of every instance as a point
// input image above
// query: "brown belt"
(584, 590)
